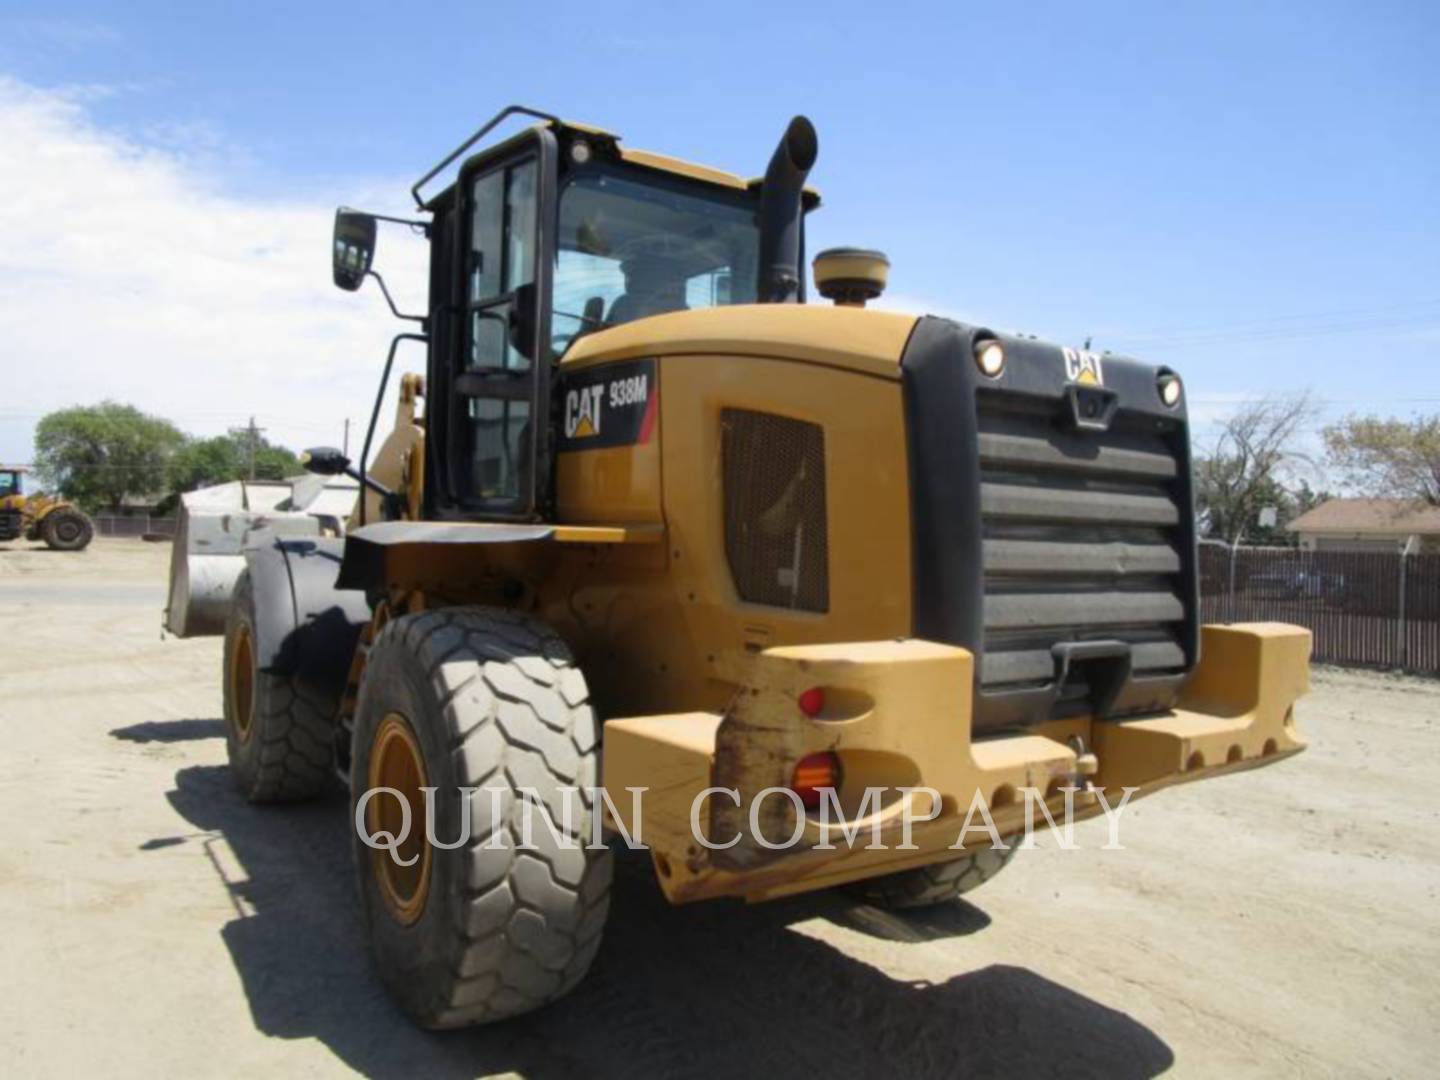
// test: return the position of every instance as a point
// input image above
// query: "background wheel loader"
(787, 577)
(37, 516)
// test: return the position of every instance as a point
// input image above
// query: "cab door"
(492, 380)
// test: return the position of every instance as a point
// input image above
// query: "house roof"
(1387, 517)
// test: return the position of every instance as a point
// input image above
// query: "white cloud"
(127, 272)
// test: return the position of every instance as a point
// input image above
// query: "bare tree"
(1388, 458)
(1243, 469)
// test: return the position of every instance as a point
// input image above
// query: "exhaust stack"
(780, 213)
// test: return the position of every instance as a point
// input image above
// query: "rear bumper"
(891, 716)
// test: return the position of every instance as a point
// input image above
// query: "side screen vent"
(775, 524)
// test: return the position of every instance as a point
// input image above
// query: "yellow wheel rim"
(396, 762)
(242, 683)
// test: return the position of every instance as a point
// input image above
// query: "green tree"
(201, 462)
(98, 455)
(275, 462)
(216, 460)
(1307, 498)
(1241, 473)
(1388, 458)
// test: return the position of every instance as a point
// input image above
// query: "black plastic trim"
(306, 623)
(943, 393)
(363, 565)
(939, 390)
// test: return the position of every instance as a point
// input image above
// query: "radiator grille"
(775, 523)
(1083, 537)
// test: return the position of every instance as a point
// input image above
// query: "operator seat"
(631, 306)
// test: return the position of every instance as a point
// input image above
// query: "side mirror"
(354, 247)
(324, 461)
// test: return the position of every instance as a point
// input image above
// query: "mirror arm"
(390, 500)
(389, 300)
(421, 227)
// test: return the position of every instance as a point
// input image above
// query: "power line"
(1320, 401)
(1266, 324)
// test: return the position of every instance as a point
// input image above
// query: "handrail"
(494, 122)
(375, 412)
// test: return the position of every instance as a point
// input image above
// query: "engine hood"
(856, 339)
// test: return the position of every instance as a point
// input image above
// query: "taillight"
(812, 701)
(813, 774)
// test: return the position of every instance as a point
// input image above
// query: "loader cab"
(552, 235)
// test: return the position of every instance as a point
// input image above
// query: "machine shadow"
(167, 731)
(712, 989)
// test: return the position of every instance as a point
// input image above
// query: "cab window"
(503, 237)
(628, 249)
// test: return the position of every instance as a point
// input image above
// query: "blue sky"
(1249, 192)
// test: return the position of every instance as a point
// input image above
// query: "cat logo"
(609, 405)
(582, 411)
(1083, 366)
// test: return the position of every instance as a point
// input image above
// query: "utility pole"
(253, 438)
(345, 446)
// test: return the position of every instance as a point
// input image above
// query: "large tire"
(937, 883)
(490, 699)
(67, 529)
(279, 738)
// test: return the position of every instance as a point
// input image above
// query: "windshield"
(628, 249)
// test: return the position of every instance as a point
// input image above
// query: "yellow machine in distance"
(37, 516)
(650, 520)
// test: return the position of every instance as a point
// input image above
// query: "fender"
(365, 548)
(306, 628)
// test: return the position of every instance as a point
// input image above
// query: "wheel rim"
(242, 684)
(396, 762)
(67, 530)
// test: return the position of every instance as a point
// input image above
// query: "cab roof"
(665, 163)
(648, 159)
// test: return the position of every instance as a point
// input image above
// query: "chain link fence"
(1374, 609)
(133, 525)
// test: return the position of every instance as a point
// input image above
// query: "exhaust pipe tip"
(781, 212)
(801, 143)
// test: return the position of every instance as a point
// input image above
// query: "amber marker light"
(814, 774)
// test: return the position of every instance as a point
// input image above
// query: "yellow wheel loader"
(62, 525)
(795, 593)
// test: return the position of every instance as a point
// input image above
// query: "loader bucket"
(214, 526)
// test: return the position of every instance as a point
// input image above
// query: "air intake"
(775, 525)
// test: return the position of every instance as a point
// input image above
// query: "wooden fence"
(1377, 609)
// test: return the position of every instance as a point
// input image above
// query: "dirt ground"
(1284, 921)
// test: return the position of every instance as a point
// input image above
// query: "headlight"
(990, 357)
(1169, 386)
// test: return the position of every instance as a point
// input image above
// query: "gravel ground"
(1282, 921)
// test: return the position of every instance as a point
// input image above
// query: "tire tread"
(923, 886)
(529, 933)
